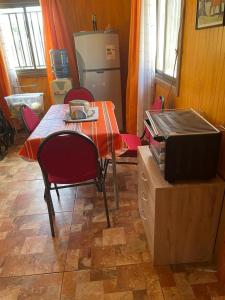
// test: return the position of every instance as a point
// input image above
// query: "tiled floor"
(86, 260)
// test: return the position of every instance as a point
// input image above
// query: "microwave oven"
(184, 144)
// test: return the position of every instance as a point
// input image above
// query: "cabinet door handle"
(144, 198)
(143, 177)
(142, 215)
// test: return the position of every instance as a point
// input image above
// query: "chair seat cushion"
(72, 180)
(132, 141)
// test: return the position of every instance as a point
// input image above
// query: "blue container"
(60, 63)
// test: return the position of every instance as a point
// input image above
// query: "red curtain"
(133, 66)
(5, 88)
(56, 36)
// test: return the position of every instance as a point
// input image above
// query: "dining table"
(104, 132)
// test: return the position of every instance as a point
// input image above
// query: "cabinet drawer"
(147, 202)
(144, 179)
(148, 224)
(174, 233)
(146, 197)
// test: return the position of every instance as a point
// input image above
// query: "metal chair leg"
(45, 195)
(106, 163)
(102, 163)
(106, 204)
(50, 211)
(51, 204)
(98, 185)
(56, 189)
(115, 183)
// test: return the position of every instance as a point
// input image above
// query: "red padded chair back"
(29, 117)
(78, 94)
(68, 157)
(158, 104)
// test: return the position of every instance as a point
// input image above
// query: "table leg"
(115, 183)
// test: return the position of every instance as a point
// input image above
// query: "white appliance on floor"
(98, 61)
(60, 88)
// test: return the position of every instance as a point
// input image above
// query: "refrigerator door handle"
(100, 71)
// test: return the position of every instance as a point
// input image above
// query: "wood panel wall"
(202, 81)
(203, 68)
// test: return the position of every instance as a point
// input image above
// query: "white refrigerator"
(98, 61)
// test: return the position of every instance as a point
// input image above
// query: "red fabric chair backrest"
(68, 157)
(157, 104)
(78, 94)
(29, 117)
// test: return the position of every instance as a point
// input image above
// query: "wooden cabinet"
(180, 220)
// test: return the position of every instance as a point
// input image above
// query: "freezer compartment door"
(97, 51)
(105, 85)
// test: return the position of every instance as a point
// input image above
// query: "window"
(22, 33)
(168, 26)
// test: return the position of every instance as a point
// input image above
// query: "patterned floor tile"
(45, 287)
(86, 260)
(140, 295)
(154, 289)
(165, 274)
(216, 289)
(135, 277)
(201, 292)
(171, 293)
(183, 286)
(89, 290)
(120, 296)
(114, 236)
(72, 259)
(201, 277)
(34, 245)
(28, 248)
(28, 199)
(70, 282)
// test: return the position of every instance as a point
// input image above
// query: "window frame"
(36, 72)
(174, 82)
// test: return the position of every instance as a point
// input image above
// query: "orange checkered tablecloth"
(104, 132)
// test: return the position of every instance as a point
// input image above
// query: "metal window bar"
(20, 40)
(162, 71)
(41, 39)
(40, 33)
(31, 27)
(18, 44)
(29, 39)
(165, 40)
(159, 20)
(37, 44)
(17, 55)
(33, 48)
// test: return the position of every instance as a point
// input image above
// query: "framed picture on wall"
(210, 13)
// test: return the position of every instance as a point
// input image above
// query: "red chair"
(78, 94)
(71, 159)
(31, 121)
(29, 117)
(132, 141)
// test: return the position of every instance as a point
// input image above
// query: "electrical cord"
(172, 80)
